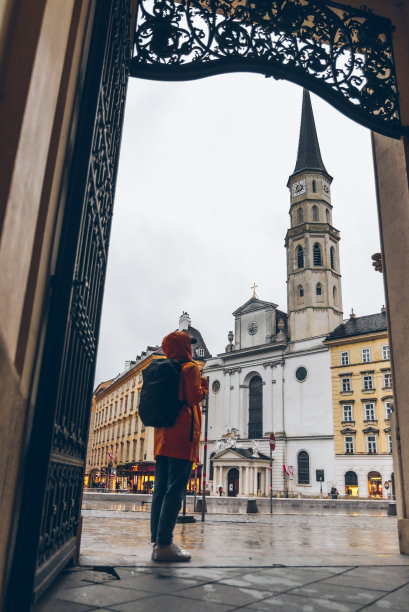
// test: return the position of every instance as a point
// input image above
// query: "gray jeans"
(171, 478)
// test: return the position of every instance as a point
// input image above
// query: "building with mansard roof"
(274, 376)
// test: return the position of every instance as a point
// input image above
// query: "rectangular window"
(370, 412)
(116, 410)
(388, 410)
(134, 451)
(349, 445)
(385, 352)
(346, 383)
(133, 381)
(127, 451)
(141, 451)
(126, 404)
(389, 438)
(367, 381)
(371, 445)
(132, 399)
(347, 412)
(345, 358)
(200, 352)
(366, 355)
(120, 405)
(136, 423)
(387, 380)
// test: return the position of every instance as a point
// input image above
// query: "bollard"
(199, 505)
(252, 506)
(392, 509)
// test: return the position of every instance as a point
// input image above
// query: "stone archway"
(272, 40)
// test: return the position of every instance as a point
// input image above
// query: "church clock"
(325, 188)
(252, 328)
(299, 188)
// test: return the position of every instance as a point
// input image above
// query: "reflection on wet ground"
(118, 534)
(290, 563)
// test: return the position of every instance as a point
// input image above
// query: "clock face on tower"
(299, 188)
(252, 328)
(325, 188)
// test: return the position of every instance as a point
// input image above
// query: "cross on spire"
(254, 290)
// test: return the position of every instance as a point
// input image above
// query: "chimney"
(184, 321)
(352, 315)
(383, 309)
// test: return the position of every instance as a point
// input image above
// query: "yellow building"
(362, 403)
(120, 449)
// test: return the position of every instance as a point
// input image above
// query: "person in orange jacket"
(175, 449)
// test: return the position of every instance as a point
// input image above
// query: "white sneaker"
(153, 550)
(173, 552)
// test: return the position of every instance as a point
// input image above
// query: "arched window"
(351, 483)
(300, 215)
(211, 469)
(327, 214)
(303, 467)
(334, 295)
(314, 186)
(317, 258)
(300, 257)
(300, 294)
(318, 289)
(256, 407)
(315, 213)
(332, 257)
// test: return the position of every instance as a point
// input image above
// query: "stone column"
(391, 161)
(247, 481)
(220, 481)
(240, 480)
(255, 481)
(268, 399)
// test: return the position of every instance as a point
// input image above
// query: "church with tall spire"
(314, 297)
(274, 375)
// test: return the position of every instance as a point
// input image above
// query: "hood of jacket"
(177, 345)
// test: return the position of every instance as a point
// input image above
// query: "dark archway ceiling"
(341, 53)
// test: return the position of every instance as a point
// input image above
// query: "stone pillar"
(220, 480)
(391, 161)
(247, 481)
(255, 481)
(268, 399)
(241, 480)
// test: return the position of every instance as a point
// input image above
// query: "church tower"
(314, 296)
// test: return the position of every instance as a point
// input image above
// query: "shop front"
(351, 484)
(375, 488)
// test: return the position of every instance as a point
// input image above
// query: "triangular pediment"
(253, 304)
(227, 453)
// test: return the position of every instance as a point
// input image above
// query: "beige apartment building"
(120, 449)
(362, 405)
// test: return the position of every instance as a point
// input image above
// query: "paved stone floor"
(256, 562)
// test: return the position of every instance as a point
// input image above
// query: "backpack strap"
(191, 407)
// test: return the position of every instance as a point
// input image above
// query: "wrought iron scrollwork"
(343, 54)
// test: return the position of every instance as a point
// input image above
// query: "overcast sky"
(201, 208)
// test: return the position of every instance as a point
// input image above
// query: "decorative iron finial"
(254, 290)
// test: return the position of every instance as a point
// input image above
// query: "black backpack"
(160, 403)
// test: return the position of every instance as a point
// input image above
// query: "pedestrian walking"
(176, 448)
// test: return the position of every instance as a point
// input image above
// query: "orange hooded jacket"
(175, 441)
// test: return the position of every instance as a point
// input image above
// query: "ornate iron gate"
(343, 54)
(49, 522)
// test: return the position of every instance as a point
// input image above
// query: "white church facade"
(274, 376)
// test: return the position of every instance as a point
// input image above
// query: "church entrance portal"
(233, 482)
(47, 529)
